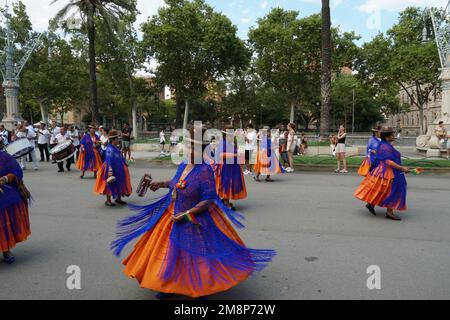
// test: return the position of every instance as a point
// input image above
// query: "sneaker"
(246, 172)
(344, 171)
(36, 169)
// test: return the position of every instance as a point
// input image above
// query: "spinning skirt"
(14, 225)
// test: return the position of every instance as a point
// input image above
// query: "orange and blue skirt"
(89, 163)
(365, 167)
(383, 187)
(152, 256)
(117, 188)
(266, 165)
(230, 181)
(14, 225)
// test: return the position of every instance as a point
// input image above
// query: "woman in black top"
(340, 150)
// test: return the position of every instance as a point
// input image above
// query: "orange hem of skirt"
(101, 186)
(146, 262)
(21, 213)
(80, 162)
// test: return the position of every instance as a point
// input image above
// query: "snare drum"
(63, 151)
(19, 148)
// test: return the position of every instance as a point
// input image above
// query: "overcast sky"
(365, 17)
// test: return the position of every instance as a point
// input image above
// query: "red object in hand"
(144, 185)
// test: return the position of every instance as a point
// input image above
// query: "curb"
(319, 167)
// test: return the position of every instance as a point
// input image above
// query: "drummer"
(61, 137)
(4, 135)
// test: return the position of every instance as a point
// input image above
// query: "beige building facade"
(409, 121)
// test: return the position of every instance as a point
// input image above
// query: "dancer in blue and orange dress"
(187, 245)
(113, 180)
(370, 161)
(267, 161)
(89, 158)
(230, 181)
(371, 152)
(14, 219)
(385, 185)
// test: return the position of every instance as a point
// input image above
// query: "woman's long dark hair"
(385, 135)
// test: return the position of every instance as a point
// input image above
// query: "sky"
(366, 17)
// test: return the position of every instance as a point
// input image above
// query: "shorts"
(126, 144)
(340, 148)
(248, 155)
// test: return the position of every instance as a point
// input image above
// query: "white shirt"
(74, 135)
(31, 134)
(55, 131)
(251, 144)
(62, 138)
(4, 135)
(162, 137)
(20, 134)
(104, 140)
(43, 136)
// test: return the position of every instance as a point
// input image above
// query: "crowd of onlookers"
(286, 138)
(45, 138)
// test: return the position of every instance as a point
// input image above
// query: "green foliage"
(367, 112)
(401, 60)
(288, 60)
(194, 46)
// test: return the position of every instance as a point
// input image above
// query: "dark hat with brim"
(376, 129)
(113, 134)
(387, 130)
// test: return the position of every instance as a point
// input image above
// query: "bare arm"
(394, 165)
(199, 208)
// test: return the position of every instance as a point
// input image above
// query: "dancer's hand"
(155, 186)
(407, 170)
(3, 181)
(178, 217)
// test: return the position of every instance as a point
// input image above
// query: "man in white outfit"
(32, 136)
(251, 147)
(54, 131)
(4, 135)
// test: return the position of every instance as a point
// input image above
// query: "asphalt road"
(325, 240)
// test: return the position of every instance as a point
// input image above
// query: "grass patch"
(356, 162)
(141, 140)
(318, 143)
(352, 162)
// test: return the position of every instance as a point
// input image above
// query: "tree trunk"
(92, 66)
(292, 118)
(178, 115)
(186, 114)
(326, 70)
(44, 112)
(133, 107)
(422, 127)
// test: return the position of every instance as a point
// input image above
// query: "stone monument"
(11, 72)
(430, 141)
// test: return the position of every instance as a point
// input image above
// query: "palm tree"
(326, 70)
(109, 12)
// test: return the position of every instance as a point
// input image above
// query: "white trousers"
(23, 160)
